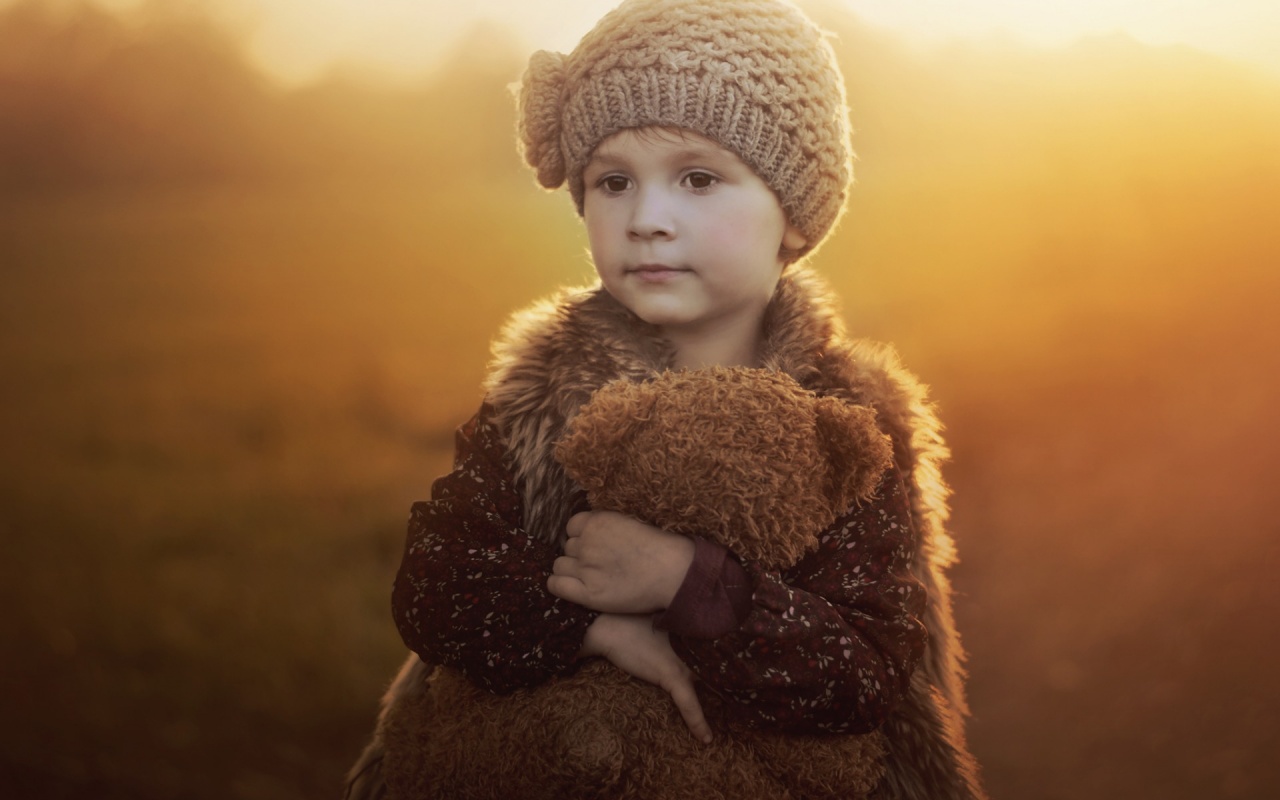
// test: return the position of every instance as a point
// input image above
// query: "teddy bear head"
(741, 456)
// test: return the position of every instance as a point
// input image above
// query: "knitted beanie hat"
(755, 76)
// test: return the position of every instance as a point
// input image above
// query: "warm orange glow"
(299, 41)
(1247, 30)
(240, 320)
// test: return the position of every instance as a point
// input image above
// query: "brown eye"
(615, 183)
(700, 180)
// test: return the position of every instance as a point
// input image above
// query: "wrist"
(678, 559)
(591, 640)
(595, 640)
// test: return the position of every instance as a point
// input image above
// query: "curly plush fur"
(602, 734)
(745, 457)
(552, 356)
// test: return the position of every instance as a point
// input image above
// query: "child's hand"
(614, 563)
(633, 645)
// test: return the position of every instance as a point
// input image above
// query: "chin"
(654, 313)
(660, 317)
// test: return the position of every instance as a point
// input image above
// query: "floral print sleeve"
(471, 590)
(830, 644)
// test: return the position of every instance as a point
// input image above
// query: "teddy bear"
(742, 456)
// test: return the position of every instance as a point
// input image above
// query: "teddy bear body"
(744, 457)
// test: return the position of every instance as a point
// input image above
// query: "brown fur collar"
(551, 357)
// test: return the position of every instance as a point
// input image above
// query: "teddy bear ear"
(857, 451)
(597, 435)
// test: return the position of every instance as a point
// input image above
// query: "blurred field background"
(240, 319)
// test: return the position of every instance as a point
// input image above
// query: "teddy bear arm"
(573, 736)
(822, 766)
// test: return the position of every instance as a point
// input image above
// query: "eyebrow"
(690, 152)
(605, 159)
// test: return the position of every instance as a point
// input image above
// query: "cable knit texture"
(757, 76)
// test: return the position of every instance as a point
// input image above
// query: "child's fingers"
(577, 523)
(567, 587)
(686, 700)
(566, 567)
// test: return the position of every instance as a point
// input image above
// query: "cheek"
(598, 227)
(729, 233)
(748, 228)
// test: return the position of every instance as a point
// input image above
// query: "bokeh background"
(248, 284)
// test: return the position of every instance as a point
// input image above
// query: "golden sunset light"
(254, 253)
(299, 40)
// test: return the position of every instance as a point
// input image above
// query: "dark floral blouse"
(826, 646)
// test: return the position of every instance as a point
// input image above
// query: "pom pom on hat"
(539, 112)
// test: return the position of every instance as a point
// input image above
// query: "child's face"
(683, 233)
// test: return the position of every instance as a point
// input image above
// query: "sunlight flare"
(300, 41)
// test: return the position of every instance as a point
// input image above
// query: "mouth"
(656, 272)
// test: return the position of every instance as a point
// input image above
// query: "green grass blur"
(239, 323)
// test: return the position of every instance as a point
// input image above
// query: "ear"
(793, 240)
(596, 438)
(857, 452)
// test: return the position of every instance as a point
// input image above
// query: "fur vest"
(551, 357)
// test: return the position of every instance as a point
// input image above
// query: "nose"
(652, 216)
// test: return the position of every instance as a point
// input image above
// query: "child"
(706, 147)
